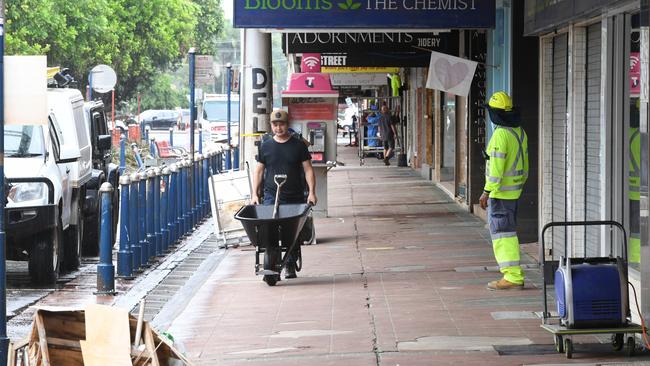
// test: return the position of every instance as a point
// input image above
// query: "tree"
(138, 38)
(163, 94)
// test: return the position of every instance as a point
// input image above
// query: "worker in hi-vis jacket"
(505, 174)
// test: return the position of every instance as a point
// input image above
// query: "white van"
(214, 115)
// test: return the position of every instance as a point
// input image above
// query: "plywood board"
(108, 338)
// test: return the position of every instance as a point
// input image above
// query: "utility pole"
(4, 340)
(229, 82)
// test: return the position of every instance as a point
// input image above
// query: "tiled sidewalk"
(397, 278)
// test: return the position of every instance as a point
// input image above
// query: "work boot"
(504, 284)
(290, 271)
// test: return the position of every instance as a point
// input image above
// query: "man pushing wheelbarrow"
(284, 165)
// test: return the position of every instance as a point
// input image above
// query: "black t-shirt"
(284, 158)
(385, 127)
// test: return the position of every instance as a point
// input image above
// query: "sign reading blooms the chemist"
(423, 14)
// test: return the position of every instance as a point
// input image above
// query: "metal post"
(163, 210)
(151, 235)
(229, 142)
(156, 212)
(192, 65)
(134, 232)
(171, 136)
(142, 219)
(4, 340)
(171, 212)
(122, 153)
(124, 255)
(105, 268)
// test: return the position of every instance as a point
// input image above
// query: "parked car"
(103, 171)
(158, 119)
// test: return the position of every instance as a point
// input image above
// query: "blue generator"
(591, 292)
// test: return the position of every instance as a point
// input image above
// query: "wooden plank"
(42, 338)
(149, 343)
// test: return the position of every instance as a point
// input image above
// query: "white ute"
(47, 168)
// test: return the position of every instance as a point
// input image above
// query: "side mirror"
(103, 142)
(68, 154)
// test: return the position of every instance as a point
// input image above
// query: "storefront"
(593, 112)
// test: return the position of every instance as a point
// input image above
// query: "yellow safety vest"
(507, 169)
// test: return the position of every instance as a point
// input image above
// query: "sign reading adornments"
(377, 14)
(386, 42)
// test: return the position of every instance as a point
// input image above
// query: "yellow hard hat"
(500, 100)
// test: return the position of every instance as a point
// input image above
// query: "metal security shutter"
(592, 137)
(559, 140)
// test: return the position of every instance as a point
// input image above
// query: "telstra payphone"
(312, 107)
(316, 136)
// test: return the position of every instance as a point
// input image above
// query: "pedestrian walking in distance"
(506, 172)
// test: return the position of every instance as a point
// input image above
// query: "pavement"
(398, 277)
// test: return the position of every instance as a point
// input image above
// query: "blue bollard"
(195, 191)
(105, 268)
(164, 193)
(199, 188)
(134, 225)
(122, 154)
(200, 140)
(124, 255)
(151, 234)
(206, 200)
(136, 153)
(152, 147)
(171, 208)
(186, 197)
(156, 212)
(179, 201)
(142, 220)
(171, 136)
(228, 159)
(235, 157)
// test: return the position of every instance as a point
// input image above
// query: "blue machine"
(591, 292)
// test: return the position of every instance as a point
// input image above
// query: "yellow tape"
(252, 134)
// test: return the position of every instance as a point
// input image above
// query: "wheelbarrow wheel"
(270, 263)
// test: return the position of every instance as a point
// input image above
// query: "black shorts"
(389, 144)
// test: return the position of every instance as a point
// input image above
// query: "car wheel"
(74, 241)
(91, 236)
(44, 257)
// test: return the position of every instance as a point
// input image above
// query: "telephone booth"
(312, 106)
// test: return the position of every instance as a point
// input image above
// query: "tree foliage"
(138, 38)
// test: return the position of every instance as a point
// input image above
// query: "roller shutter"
(559, 140)
(592, 136)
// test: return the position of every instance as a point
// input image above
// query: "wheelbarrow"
(273, 230)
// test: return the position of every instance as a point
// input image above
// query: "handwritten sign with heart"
(450, 74)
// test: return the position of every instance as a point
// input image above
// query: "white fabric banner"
(25, 90)
(450, 74)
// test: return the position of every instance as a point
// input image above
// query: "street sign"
(204, 69)
(103, 78)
